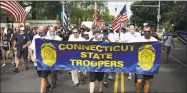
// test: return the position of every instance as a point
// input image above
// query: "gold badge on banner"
(146, 56)
(48, 53)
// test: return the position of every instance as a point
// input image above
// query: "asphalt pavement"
(171, 78)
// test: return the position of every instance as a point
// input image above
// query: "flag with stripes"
(95, 16)
(66, 19)
(14, 9)
(120, 19)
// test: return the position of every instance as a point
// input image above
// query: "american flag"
(66, 19)
(120, 19)
(95, 16)
(14, 9)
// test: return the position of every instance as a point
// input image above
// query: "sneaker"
(48, 88)
(36, 68)
(82, 82)
(75, 85)
(166, 62)
(24, 62)
(129, 77)
(105, 85)
(53, 85)
(13, 65)
(3, 65)
(15, 70)
(26, 68)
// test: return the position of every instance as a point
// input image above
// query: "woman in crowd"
(5, 48)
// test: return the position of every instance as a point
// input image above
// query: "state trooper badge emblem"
(48, 53)
(146, 56)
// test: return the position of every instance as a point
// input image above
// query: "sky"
(119, 6)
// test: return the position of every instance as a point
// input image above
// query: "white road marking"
(177, 60)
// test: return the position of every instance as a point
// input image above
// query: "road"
(171, 78)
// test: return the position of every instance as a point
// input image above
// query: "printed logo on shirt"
(48, 54)
(146, 56)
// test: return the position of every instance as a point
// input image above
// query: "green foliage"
(79, 10)
(171, 13)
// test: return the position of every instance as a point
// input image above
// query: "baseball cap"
(146, 24)
(96, 30)
(22, 28)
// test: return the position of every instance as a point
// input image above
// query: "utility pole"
(158, 16)
(62, 19)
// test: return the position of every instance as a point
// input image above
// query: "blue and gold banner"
(142, 58)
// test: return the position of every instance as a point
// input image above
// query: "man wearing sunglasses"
(139, 77)
(74, 73)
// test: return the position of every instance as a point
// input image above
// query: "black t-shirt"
(9, 33)
(5, 42)
(29, 33)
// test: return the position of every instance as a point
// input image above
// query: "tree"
(79, 10)
(144, 14)
(171, 13)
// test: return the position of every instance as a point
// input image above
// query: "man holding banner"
(52, 36)
(74, 73)
(128, 37)
(96, 75)
(146, 38)
(43, 74)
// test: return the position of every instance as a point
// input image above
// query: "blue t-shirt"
(21, 40)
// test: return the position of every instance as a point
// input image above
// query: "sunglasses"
(75, 32)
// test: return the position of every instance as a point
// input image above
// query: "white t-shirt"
(142, 39)
(112, 37)
(32, 46)
(117, 35)
(128, 37)
(5, 30)
(72, 38)
(168, 42)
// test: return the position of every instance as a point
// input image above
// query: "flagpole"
(63, 14)
(94, 12)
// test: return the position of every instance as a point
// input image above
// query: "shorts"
(143, 76)
(167, 49)
(22, 53)
(96, 76)
(5, 48)
(44, 73)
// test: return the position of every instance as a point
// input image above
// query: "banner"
(142, 58)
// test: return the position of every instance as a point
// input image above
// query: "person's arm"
(11, 37)
(31, 48)
(9, 45)
(28, 41)
(14, 44)
(30, 52)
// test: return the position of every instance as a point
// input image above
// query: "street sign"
(158, 16)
